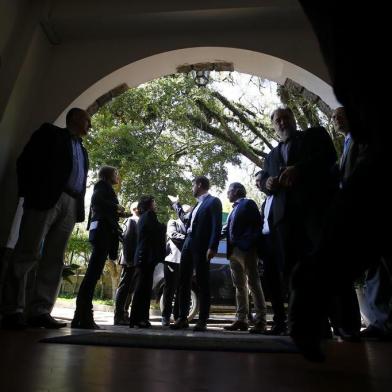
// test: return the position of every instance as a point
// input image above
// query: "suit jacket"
(129, 243)
(176, 236)
(348, 163)
(246, 227)
(207, 225)
(313, 154)
(44, 167)
(103, 210)
(151, 240)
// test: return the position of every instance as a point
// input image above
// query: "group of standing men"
(300, 178)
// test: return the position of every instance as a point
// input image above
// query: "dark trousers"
(344, 309)
(84, 300)
(124, 291)
(276, 285)
(191, 260)
(172, 275)
(140, 309)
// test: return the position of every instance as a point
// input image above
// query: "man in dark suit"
(150, 250)
(298, 173)
(126, 284)
(243, 230)
(200, 246)
(52, 172)
(272, 254)
(346, 245)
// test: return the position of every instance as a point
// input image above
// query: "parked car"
(222, 288)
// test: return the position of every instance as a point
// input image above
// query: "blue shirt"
(76, 179)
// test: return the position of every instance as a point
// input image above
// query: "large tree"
(164, 132)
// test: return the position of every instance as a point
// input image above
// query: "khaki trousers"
(245, 277)
(42, 241)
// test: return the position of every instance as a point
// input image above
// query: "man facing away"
(52, 172)
(176, 233)
(126, 284)
(201, 244)
(242, 231)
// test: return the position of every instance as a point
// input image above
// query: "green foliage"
(78, 250)
(145, 132)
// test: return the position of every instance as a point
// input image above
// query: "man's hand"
(288, 177)
(173, 199)
(210, 254)
(272, 184)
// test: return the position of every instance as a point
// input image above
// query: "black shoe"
(278, 330)
(238, 325)
(84, 321)
(180, 324)
(259, 328)
(201, 326)
(45, 321)
(348, 336)
(14, 321)
(140, 324)
(165, 322)
(120, 321)
(375, 333)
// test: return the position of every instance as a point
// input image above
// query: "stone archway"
(166, 63)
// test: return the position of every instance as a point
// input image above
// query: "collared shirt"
(284, 150)
(200, 200)
(346, 146)
(76, 179)
(230, 218)
(267, 209)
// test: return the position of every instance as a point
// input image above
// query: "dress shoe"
(84, 321)
(375, 333)
(278, 330)
(180, 324)
(165, 322)
(238, 325)
(201, 326)
(14, 321)
(45, 321)
(120, 321)
(348, 336)
(259, 328)
(140, 324)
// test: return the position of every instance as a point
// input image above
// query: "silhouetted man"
(52, 172)
(201, 244)
(242, 231)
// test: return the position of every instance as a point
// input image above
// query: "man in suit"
(176, 233)
(150, 250)
(272, 254)
(201, 245)
(344, 309)
(352, 240)
(242, 231)
(298, 173)
(126, 284)
(52, 172)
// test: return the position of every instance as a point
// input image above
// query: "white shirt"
(267, 209)
(200, 200)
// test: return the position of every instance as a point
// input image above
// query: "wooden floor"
(27, 365)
